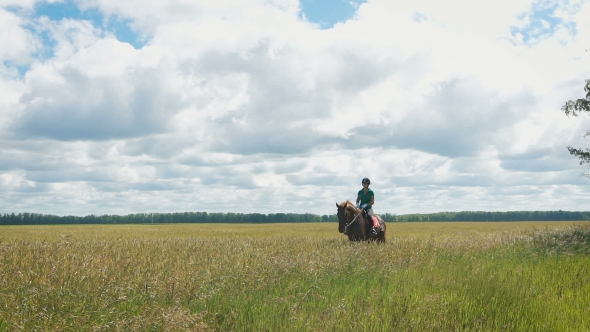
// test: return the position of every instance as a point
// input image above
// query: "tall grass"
(301, 277)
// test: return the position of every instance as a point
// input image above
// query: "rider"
(365, 200)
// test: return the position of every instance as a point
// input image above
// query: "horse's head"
(346, 213)
(341, 214)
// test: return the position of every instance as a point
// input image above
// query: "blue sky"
(237, 106)
(326, 13)
(69, 10)
(542, 20)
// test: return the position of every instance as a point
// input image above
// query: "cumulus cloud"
(264, 111)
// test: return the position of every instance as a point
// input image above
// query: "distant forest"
(204, 217)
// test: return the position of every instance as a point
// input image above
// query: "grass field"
(532, 276)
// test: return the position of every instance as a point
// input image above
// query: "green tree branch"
(575, 108)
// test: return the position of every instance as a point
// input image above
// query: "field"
(532, 276)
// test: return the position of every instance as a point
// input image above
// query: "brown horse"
(354, 224)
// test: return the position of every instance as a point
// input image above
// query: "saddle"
(372, 221)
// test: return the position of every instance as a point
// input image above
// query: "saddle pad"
(376, 221)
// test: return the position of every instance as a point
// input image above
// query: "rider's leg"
(374, 222)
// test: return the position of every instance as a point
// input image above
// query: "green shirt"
(366, 198)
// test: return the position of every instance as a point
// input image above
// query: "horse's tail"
(381, 235)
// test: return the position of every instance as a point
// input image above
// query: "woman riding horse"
(353, 224)
(365, 200)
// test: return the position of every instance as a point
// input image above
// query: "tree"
(576, 107)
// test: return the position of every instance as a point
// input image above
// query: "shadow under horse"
(356, 225)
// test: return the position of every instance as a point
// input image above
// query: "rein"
(353, 220)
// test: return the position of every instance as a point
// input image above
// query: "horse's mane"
(349, 205)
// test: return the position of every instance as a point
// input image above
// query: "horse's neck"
(355, 213)
(352, 210)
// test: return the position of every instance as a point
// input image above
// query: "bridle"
(352, 221)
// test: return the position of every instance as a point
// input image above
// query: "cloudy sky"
(117, 107)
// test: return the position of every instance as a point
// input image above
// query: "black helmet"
(366, 180)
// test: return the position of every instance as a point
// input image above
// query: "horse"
(353, 223)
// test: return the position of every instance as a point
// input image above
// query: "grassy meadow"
(529, 276)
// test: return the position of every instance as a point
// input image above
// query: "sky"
(283, 106)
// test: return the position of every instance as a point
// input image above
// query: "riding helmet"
(366, 180)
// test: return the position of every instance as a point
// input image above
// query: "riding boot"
(369, 219)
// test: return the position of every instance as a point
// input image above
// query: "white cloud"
(15, 180)
(21, 42)
(444, 109)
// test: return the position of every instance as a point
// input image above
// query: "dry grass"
(294, 277)
(315, 230)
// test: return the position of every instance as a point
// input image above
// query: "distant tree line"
(496, 216)
(204, 217)
(161, 218)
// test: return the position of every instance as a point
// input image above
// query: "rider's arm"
(358, 199)
(372, 201)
